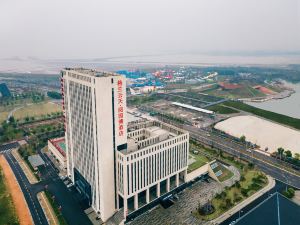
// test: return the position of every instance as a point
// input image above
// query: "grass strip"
(276, 117)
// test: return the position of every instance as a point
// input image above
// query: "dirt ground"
(17, 195)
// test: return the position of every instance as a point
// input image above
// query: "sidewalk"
(247, 201)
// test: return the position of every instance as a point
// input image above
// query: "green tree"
(297, 156)
(280, 152)
(228, 203)
(243, 138)
(288, 153)
(11, 119)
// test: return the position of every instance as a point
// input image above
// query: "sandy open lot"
(17, 196)
(262, 132)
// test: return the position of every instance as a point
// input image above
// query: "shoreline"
(282, 95)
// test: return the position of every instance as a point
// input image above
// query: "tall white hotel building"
(119, 167)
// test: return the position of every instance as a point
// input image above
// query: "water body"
(288, 106)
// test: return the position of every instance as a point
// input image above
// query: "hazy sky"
(105, 28)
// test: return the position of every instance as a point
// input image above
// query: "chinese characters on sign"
(120, 108)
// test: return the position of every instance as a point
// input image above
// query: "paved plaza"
(180, 212)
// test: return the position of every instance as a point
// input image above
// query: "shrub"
(231, 158)
(221, 195)
(237, 184)
(228, 203)
(243, 178)
(244, 192)
(238, 199)
(250, 165)
(290, 193)
(218, 196)
(254, 186)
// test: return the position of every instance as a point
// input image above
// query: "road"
(264, 162)
(13, 111)
(229, 145)
(34, 206)
(71, 209)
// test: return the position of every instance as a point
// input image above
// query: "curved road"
(34, 206)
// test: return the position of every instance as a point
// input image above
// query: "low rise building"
(36, 161)
(57, 148)
(154, 163)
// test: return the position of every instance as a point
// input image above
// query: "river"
(288, 106)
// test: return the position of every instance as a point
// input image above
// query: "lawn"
(4, 111)
(279, 118)
(245, 92)
(226, 174)
(139, 100)
(37, 110)
(3, 116)
(221, 109)
(201, 160)
(7, 211)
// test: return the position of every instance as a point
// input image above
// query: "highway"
(262, 161)
(271, 166)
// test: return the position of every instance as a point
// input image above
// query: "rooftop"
(36, 160)
(92, 72)
(144, 133)
(276, 209)
(60, 145)
(192, 107)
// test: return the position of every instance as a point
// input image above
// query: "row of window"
(80, 77)
(154, 148)
(146, 171)
(82, 141)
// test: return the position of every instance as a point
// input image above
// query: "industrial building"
(118, 167)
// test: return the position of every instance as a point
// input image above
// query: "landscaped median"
(26, 167)
(55, 208)
(47, 208)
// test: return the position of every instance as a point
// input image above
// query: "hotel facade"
(119, 167)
